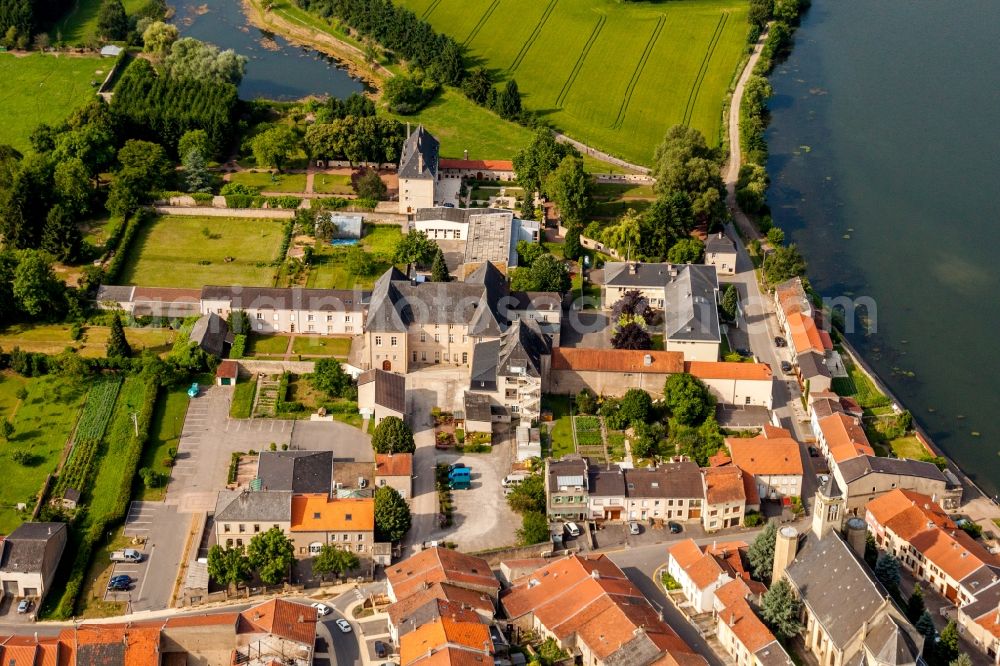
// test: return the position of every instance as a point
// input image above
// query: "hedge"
(239, 346)
(114, 266)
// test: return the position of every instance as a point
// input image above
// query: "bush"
(239, 347)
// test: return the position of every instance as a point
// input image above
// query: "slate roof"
(891, 642)
(606, 481)
(862, 466)
(811, 364)
(296, 471)
(681, 479)
(211, 333)
(536, 300)
(483, 375)
(24, 548)
(690, 311)
(265, 506)
(390, 388)
(295, 298)
(619, 274)
(826, 573)
(477, 406)
(419, 143)
(567, 472)
(719, 244)
(458, 215)
(114, 293)
(522, 347)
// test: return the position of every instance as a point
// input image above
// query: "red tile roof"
(394, 464)
(723, 485)
(445, 632)
(617, 360)
(725, 370)
(228, 369)
(476, 601)
(440, 565)
(285, 619)
(762, 456)
(485, 165)
(740, 617)
(805, 334)
(845, 438)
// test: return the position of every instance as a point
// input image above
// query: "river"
(884, 139)
(276, 69)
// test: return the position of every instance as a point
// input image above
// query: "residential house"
(502, 170)
(699, 574)
(741, 633)
(566, 488)
(773, 459)
(211, 333)
(433, 599)
(725, 497)
(395, 470)
(291, 310)
(790, 298)
(381, 394)
(308, 472)
(595, 613)
(669, 491)
(842, 437)
(239, 515)
(542, 307)
(440, 565)
(29, 559)
(914, 528)
(813, 372)
(606, 490)
(510, 370)
(418, 171)
(319, 520)
(452, 635)
(720, 252)
(160, 302)
(865, 478)
(687, 294)
(739, 384)
(980, 620)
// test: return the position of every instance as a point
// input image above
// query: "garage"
(10, 588)
(227, 373)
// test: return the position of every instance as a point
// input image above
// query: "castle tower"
(828, 509)
(785, 546)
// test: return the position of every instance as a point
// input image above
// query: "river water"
(276, 69)
(884, 139)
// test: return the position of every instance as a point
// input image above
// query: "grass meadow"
(54, 338)
(613, 75)
(79, 26)
(43, 88)
(183, 251)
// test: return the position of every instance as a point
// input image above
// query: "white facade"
(415, 193)
(693, 351)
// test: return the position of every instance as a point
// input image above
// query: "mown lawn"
(332, 183)
(43, 423)
(268, 345)
(321, 346)
(330, 269)
(164, 434)
(908, 447)
(182, 251)
(857, 385)
(43, 88)
(561, 434)
(271, 182)
(243, 396)
(613, 75)
(54, 338)
(79, 26)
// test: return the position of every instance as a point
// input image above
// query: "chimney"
(301, 618)
(465, 154)
(420, 160)
(732, 619)
(595, 574)
(647, 359)
(785, 546)
(407, 128)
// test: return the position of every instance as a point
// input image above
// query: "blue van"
(460, 483)
(460, 473)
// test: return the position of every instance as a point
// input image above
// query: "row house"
(726, 497)
(811, 344)
(292, 310)
(773, 459)
(567, 493)
(671, 491)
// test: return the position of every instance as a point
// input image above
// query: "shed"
(227, 373)
(111, 51)
(211, 333)
(478, 413)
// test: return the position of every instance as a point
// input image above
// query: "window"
(329, 317)
(392, 341)
(423, 336)
(347, 537)
(361, 537)
(312, 327)
(423, 356)
(451, 338)
(317, 515)
(414, 357)
(748, 400)
(361, 547)
(243, 528)
(446, 356)
(315, 547)
(275, 316)
(260, 315)
(437, 338)
(260, 326)
(437, 357)
(465, 357)
(225, 528)
(347, 516)
(310, 318)
(229, 543)
(218, 311)
(378, 340)
(256, 528)
(347, 318)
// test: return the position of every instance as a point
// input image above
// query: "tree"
(238, 322)
(144, 164)
(631, 335)
(272, 147)
(392, 435)
(569, 187)
(228, 566)
(392, 515)
(648, 439)
(158, 37)
(534, 528)
(6, 429)
(439, 269)
(786, 11)
(925, 625)
(686, 251)
(780, 609)
(112, 22)
(632, 305)
(329, 376)
(331, 559)
(406, 95)
(683, 162)
(635, 406)
(730, 301)
(625, 235)
(36, 287)
(572, 249)
(761, 552)
(962, 660)
(370, 186)
(508, 104)
(776, 237)
(887, 571)
(529, 495)
(760, 12)
(196, 173)
(915, 604)
(947, 648)
(687, 398)
(415, 248)
(72, 184)
(586, 402)
(118, 346)
(124, 197)
(195, 60)
(784, 263)
(271, 554)
(477, 85)
(61, 235)
(546, 273)
(538, 159)
(527, 252)
(196, 139)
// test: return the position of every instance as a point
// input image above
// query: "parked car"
(573, 529)
(119, 585)
(780, 341)
(813, 452)
(322, 610)
(452, 467)
(25, 606)
(745, 353)
(127, 555)
(381, 650)
(344, 626)
(121, 578)
(461, 483)
(675, 528)
(513, 479)
(786, 367)
(633, 528)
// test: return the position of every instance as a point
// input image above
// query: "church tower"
(828, 509)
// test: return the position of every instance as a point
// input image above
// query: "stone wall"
(250, 366)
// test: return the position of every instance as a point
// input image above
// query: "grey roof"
(522, 348)
(811, 364)
(211, 333)
(981, 578)
(485, 356)
(100, 654)
(420, 144)
(719, 243)
(682, 479)
(114, 293)
(491, 238)
(824, 407)
(836, 587)
(347, 473)
(606, 481)
(690, 311)
(477, 407)
(271, 505)
(296, 471)
(390, 388)
(487, 318)
(638, 274)
(987, 601)
(773, 654)
(459, 215)
(545, 301)
(861, 466)
(892, 642)
(24, 548)
(831, 488)
(567, 472)
(294, 298)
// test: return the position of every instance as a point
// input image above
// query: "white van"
(513, 479)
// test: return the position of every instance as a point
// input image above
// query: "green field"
(44, 89)
(79, 26)
(54, 338)
(43, 422)
(318, 345)
(271, 182)
(331, 271)
(164, 434)
(191, 251)
(611, 74)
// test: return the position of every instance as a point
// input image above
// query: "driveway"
(591, 330)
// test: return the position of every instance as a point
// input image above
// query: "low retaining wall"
(639, 179)
(253, 366)
(208, 211)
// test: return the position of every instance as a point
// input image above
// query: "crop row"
(79, 469)
(97, 410)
